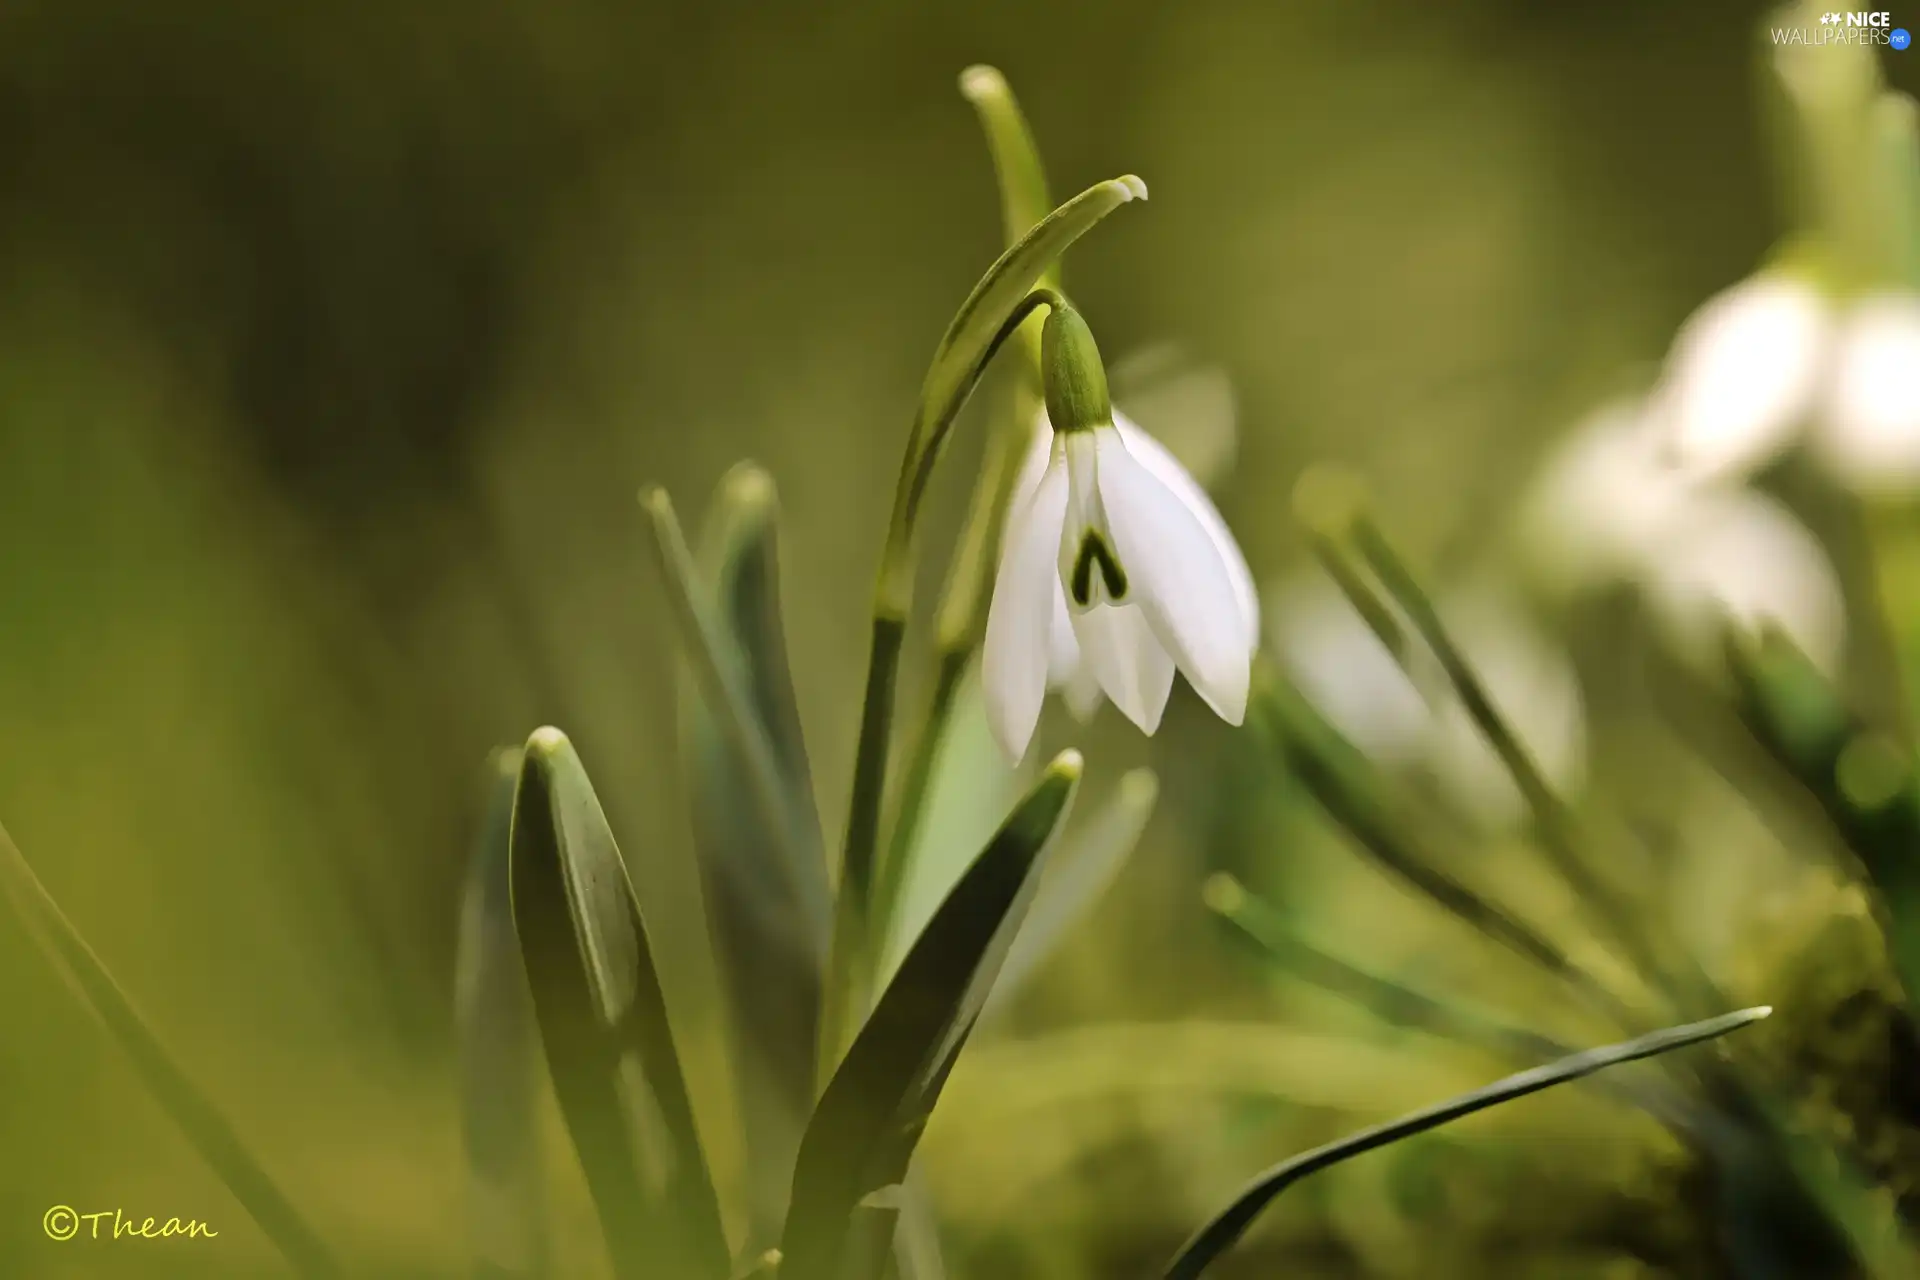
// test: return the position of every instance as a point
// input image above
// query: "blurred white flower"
(1741, 556)
(1771, 358)
(1604, 503)
(1611, 506)
(1343, 669)
(1115, 570)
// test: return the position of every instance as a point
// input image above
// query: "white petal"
(1742, 374)
(1017, 649)
(1743, 556)
(1154, 456)
(1083, 694)
(1063, 649)
(1177, 577)
(1870, 432)
(1033, 463)
(1604, 504)
(1122, 653)
(1341, 667)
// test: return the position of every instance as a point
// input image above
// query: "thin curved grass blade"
(212, 1137)
(861, 1138)
(603, 1021)
(498, 1045)
(1221, 1232)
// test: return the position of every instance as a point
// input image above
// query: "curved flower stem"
(956, 635)
(893, 597)
(850, 959)
(1024, 202)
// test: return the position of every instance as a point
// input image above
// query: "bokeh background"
(336, 341)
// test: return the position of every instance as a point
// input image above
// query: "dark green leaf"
(1226, 1227)
(603, 1021)
(863, 1133)
(766, 894)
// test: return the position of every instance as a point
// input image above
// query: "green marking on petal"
(1094, 549)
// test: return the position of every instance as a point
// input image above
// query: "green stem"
(848, 963)
(910, 807)
(956, 635)
(851, 957)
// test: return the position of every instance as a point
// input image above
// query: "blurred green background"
(335, 343)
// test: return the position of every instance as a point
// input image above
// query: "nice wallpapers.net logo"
(1847, 28)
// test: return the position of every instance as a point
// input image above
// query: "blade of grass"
(212, 1137)
(1222, 1231)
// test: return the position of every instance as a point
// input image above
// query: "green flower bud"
(1076, 381)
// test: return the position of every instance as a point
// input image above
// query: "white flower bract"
(1116, 570)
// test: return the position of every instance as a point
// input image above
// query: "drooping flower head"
(1115, 571)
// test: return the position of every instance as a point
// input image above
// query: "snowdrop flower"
(1342, 668)
(1115, 569)
(1771, 358)
(1611, 506)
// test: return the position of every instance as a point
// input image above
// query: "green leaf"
(1024, 198)
(603, 1021)
(204, 1127)
(727, 692)
(870, 1117)
(766, 895)
(1221, 1232)
(969, 782)
(499, 1080)
(971, 338)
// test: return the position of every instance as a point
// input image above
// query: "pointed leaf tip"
(1135, 185)
(749, 488)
